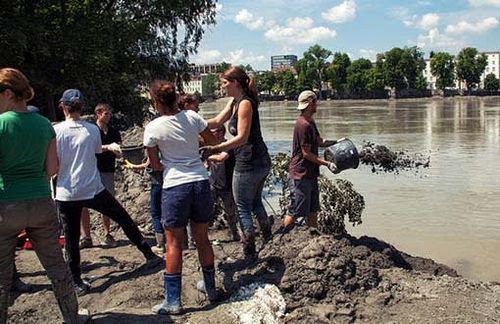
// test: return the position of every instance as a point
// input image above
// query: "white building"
(431, 79)
(194, 85)
(493, 65)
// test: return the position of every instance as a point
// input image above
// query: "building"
(493, 65)
(205, 68)
(431, 79)
(281, 61)
(194, 85)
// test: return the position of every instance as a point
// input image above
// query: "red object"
(28, 246)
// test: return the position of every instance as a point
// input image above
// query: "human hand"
(208, 150)
(115, 148)
(333, 168)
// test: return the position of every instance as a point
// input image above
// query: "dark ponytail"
(163, 92)
(235, 73)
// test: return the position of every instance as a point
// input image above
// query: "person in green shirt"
(28, 158)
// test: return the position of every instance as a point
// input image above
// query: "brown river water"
(449, 212)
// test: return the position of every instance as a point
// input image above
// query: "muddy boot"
(249, 251)
(172, 284)
(265, 229)
(152, 260)
(207, 285)
(160, 244)
(4, 303)
(68, 304)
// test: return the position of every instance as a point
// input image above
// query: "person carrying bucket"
(304, 166)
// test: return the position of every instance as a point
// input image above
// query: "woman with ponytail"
(185, 190)
(252, 159)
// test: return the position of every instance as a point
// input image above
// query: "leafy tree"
(223, 67)
(357, 72)
(265, 81)
(443, 68)
(285, 82)
(311, 67)
(337, 71)
(105, 48)
(421, 83)
(209, 84)
(401, 67)
(374, 80)
(491, 82)
(470, 66)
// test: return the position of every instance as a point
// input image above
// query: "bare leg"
(85, 223)
(205, 251)
(175, 239)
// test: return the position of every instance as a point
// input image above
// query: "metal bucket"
(344, 154)
(133, 153)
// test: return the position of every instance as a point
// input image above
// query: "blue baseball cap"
(71, 96)
(33, 109)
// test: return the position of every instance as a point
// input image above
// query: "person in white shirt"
(79, 185)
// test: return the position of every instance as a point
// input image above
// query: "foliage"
(357, 75)
(105, 48)
(401, 67)
(491, 82)
(443, 68)
(421, 83)
(338, 197)
(209, 84)
(336, 72)
(223, 67)
(265, 81)
(311, 67)
(374, 80)
(285, 82)
(470, 65)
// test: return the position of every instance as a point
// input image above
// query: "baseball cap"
(71, 96)
(33, 109)
(305, 98)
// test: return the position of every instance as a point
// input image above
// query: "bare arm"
(244, 125)
(222, 117)
(51, 161)
(308, 155)
(218, 158)
(208, 137)
(153, 157)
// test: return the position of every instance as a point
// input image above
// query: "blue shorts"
(189, 201)
(304, 197)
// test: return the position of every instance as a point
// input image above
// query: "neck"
(238, 94)
(18, 106)
(102, 125)
(73, 116)
(307, 115)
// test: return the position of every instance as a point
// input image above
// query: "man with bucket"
(304, 166)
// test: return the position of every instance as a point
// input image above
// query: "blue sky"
(249, 32)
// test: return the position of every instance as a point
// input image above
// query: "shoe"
(152, 260)
(207, 285)
(158, 250)
(83, 316)
(21, 287)
(85, 243)
(82, 288)
(166, 309)
(172, 284)
(160, 247)
(109, 241)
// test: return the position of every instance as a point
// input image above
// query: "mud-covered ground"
(312, 277)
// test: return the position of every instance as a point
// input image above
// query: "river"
(449, 212)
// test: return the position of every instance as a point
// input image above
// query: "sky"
(250, 32)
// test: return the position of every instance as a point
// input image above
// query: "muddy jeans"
(228, 206)
(70, 213)
(38, 217)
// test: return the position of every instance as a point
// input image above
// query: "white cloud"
(438, 41)
(344, 12)
(239, 56)
(306, 22)
(368, 54)
(207, 56)
(298, 35)
(218, 8)
(247, 19)
(426, 22)
(481, 3)
(478, 27)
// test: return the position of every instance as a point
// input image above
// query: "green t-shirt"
(24, 140)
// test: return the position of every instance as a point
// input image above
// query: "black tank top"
(254, 152)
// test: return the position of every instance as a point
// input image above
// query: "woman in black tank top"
(252, 159)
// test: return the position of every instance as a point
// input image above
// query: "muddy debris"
(382, 159)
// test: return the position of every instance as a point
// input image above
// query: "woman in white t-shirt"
(185, 191)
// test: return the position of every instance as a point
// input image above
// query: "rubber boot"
(172, 303)
(249, 250)
(66, 299)
(207, 285)
(265, 228)
(4, 303)
(160, 244)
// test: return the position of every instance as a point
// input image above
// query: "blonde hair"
(15, 81)
(101, 107)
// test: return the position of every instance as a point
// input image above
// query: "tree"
(285, 82)
(223, 67)
(421, 83)
(311, 67)
(401, 67)
(491, 82)
(265, 81)
(336, 72)
(357, 75)
(374, 80)
(470, 66)
(108, 49)
(209, 84)
(443, 68)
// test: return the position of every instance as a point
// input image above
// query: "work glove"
(115, 148)
(128, 165)
(333, 168)
(208, 150)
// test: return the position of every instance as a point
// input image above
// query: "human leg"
(155, 209)
(108, 180)
(258, 206)
(70, 213)
(86, 240)
(206, 257)
(230, 212)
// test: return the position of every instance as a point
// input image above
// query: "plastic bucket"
(133, 153)
(344, 154)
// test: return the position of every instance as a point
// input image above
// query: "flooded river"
(449, 212)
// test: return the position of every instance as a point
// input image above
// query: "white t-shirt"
(77, 144)
(177, 139)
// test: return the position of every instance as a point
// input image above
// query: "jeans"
(247, 190)
(155, 207)
(104, 203)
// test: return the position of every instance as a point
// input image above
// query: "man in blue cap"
(79, 185)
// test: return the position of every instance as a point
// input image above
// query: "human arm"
(327, 143)
(51, 161)
(153, 158)
(218, 158)
(243, 128)
(221, 117)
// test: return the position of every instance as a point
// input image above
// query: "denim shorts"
(304, 197)
(190, 201)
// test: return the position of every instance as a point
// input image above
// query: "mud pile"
(383, 159)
